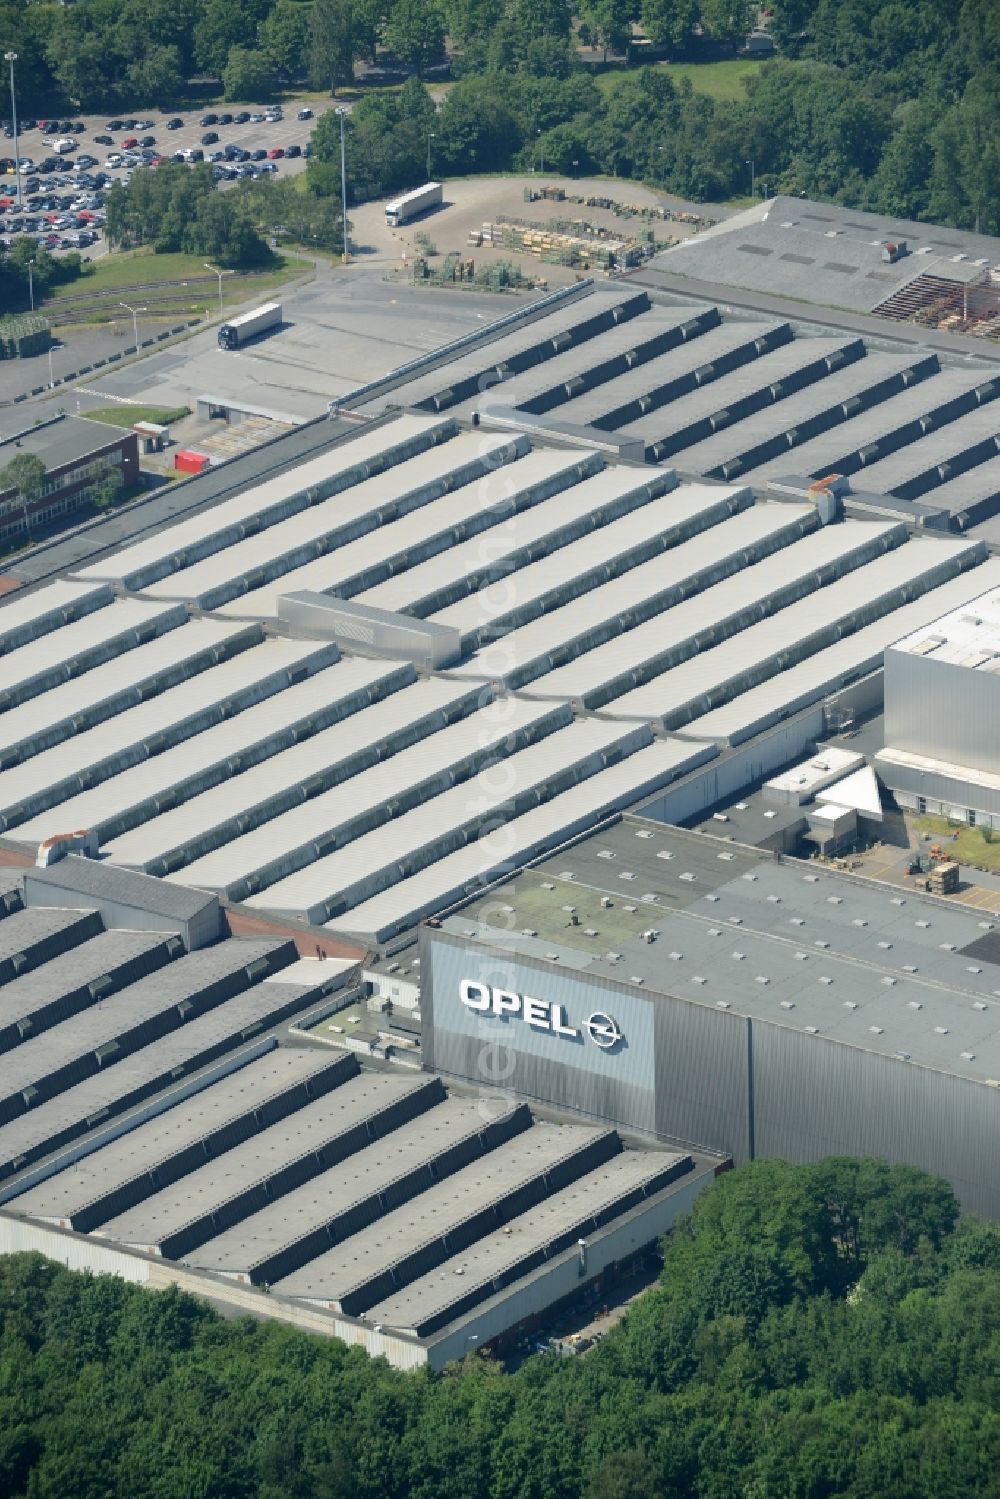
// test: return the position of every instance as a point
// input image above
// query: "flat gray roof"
(928, 457)
(188, 980)
(502, 1256)
(71, 1113)
(37, 934)
(762, 376)
(442, 1208)
(140, 1151)
(96, 880)
(851, 440)
(303, 1136)
(533, 340)
(559, 375)
(63, 441)
(826, 254)
(828, 399)
(824, 952)
(109, 953)
(366, 1174)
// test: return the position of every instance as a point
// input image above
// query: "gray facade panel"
(695, 1073)
(942, 710)
(505, 1052)
(814, 1098)
(703, 1065)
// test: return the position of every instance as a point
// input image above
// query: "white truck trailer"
(411, 205)
(240, 330)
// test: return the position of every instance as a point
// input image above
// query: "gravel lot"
(469, 201)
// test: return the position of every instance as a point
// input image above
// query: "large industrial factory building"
(354, 966)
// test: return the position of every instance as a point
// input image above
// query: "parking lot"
(63, 208)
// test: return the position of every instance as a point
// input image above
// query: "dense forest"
(818, 1331)
(892, 105)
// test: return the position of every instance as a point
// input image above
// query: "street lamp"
(31, 285)
(343, 180)
(52, 381)
(541, 153)
(135, 320)
(11, 57)
(431, 135)
(753, 176)
(216, 272)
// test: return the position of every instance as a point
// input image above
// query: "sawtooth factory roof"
(316, 780)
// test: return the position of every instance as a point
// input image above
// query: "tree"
(24, 473)
(156, 75)
(727, 20)
(624, 1475)
(610, 23)
(669, 23)
(414, 32)
(248, 76)
(331, 44)
(106, 488)
(283, 36)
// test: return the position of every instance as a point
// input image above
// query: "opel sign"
(600, 1028)
(603, 1030)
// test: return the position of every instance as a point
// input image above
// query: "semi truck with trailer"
(412, 205)
(239, 330)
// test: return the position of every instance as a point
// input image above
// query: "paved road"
(345, 327)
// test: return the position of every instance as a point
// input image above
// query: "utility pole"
(343, 181)
(31, 285)
(430, 137)
(11, 57)
(541, 154)
(753, 176)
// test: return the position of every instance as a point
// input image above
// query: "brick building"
(76, 452)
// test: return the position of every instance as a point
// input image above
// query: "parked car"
(259, 155)
(305, 114)
(176, 123)
(148, 140)
(307, 149)
(242, 118)
(225, 119)
(103, 140)
(83, 162)
(209, 138)
(257, 119)
(208, 119)
(130, 142)
(293, 151)
(115, 126)
(275, 153)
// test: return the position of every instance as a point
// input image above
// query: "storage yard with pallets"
(582, 245)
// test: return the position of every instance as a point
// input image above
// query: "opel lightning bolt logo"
(603, 1030)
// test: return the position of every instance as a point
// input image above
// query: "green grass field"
(719, 80)
(970, 847)
(129, 268)
(127, 416)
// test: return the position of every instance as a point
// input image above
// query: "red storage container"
(190, 462)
